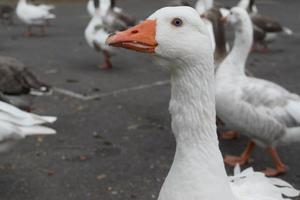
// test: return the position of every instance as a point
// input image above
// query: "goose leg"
(107, 63)
(229, 135)
(29, 32)
(254, 47)
(243, 158)
(264, 48)
(280, 167)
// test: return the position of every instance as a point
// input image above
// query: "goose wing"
(260, 109)
(16, 116)
(273, 100)
(265, 23)
(35, 13)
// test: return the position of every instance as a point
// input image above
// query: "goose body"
(33, 15)
(16, 125)
(264, 111)
(174, 35)
(16, 79)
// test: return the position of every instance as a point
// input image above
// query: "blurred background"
(114, 139)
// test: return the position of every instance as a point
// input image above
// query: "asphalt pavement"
(114, 138)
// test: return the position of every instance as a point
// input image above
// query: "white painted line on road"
(113, 93)
(69, 93)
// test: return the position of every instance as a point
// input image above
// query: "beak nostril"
(134, 31)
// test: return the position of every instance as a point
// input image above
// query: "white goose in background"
(16, 125)
(115, 21)
(33, 15)
(248, 5)
(266, 29)
(91, 7)
(96, 35)
(176, 35)
(46, 7)
(262, 110)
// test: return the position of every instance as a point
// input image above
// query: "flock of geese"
(208, 79)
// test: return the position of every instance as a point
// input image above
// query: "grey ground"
(117, 145)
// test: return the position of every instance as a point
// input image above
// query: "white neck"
(104, 6)
(197, 171)
(244, 4)
(234, 63)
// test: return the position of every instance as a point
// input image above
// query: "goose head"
(172, 33)
(238, 18)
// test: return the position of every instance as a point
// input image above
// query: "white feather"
(250, 185)
(32, 14)
(288, 31)
(16, 124)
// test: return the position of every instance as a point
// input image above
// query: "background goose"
(115, 21)
(260, 109)
(16, 125)
(17, 82)
(214, 15)
(96, 34)
(33, 15)
(175, 34)
(248, 5)
(7, 13)
(16, 79)
(91, 8)
(265, 27)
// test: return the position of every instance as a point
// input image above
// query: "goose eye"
(177, 22)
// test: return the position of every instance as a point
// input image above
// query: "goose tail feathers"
(36, 130)
(249, 184)
(49, 119)
(288, 31)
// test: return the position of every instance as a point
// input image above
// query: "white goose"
(47, 7)
(260, 109)
(91, 8)
(175, 34)
(96, 35)
(16, 125)
(33, 15)
(248, 5)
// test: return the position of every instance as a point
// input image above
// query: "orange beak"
(139, 38)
